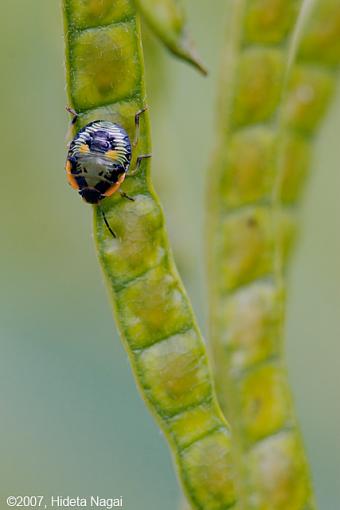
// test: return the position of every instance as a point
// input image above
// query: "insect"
(99, 158)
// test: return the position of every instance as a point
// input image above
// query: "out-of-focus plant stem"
(246, 238)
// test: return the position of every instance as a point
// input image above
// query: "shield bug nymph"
(99, 158)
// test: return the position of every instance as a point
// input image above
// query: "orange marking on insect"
(84, 148)
(114, 188)
(71, 180)
(111, 154)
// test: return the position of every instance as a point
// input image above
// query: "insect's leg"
(138, 163)
(74, 114)
(124, 195)
(107, 223)
(137, 126)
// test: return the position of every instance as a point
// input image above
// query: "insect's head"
(91, 195)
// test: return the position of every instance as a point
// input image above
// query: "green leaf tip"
(188, 51)
(167, 20)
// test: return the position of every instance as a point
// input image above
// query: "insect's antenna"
(107, 223)
(73, 113)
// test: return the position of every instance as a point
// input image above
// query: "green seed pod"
(249, 240)
(153, 314)
(311, 89)
(167, 20)
(262, 162)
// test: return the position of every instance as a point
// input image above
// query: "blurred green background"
(72, 422)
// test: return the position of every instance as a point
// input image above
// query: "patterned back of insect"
(98, 159)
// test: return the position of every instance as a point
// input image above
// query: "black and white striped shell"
(98, 159)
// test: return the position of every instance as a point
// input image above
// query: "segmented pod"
(311, 89)
(154, 317)
(247, 238)
(167, 20)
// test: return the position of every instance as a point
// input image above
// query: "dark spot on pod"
(256, 406)
(251, 222)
